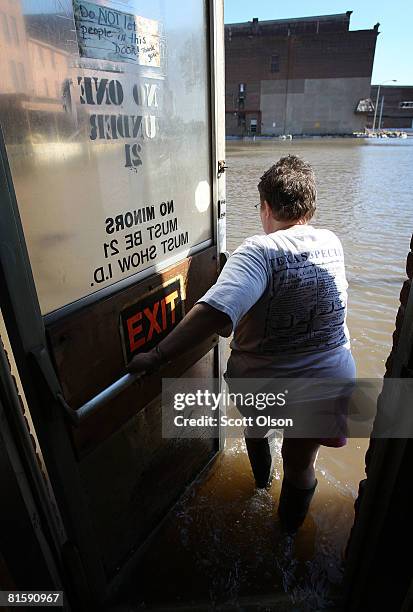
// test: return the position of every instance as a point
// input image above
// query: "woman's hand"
(144, 363)
(200, 323)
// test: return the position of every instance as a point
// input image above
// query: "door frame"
(388, 457)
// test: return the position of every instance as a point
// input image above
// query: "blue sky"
(394, 51)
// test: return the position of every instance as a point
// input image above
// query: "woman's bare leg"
(299, 457)
(299, 482)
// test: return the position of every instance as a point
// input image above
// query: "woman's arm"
(200, 323)
(241, 283)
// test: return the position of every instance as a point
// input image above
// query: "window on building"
(253, 126)
(5, 27)
(241, 96)
(14, 77)
(14, 30)
(241, 120)
(365, 106)
(46, 87)
(407, 104)
(41, 56)
(52, 59)
(275, 63)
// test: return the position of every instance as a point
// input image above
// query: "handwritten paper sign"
(108, 34)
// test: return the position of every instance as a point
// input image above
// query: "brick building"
(309, 75)
(397, 107)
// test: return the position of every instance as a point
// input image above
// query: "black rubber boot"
(293, 506)
(261, 455)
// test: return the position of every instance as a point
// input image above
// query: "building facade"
(32, 71)
(394, 107)
(298, 76)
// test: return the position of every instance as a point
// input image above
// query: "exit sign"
(149, 320)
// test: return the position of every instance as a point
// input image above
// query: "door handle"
(101, 398)
(44, 365)
(221, 167)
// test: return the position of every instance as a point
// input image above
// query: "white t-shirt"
(286, 295)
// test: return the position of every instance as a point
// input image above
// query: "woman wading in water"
(284, 296)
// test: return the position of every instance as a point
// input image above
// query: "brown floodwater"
(220, 547)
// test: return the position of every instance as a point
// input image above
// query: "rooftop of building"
(392, 87)
(336, 17)
(318, 23)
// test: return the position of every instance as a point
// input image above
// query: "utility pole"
(375, 108)
(377, 100)
(381, 111)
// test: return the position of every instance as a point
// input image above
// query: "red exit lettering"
(153, 320)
